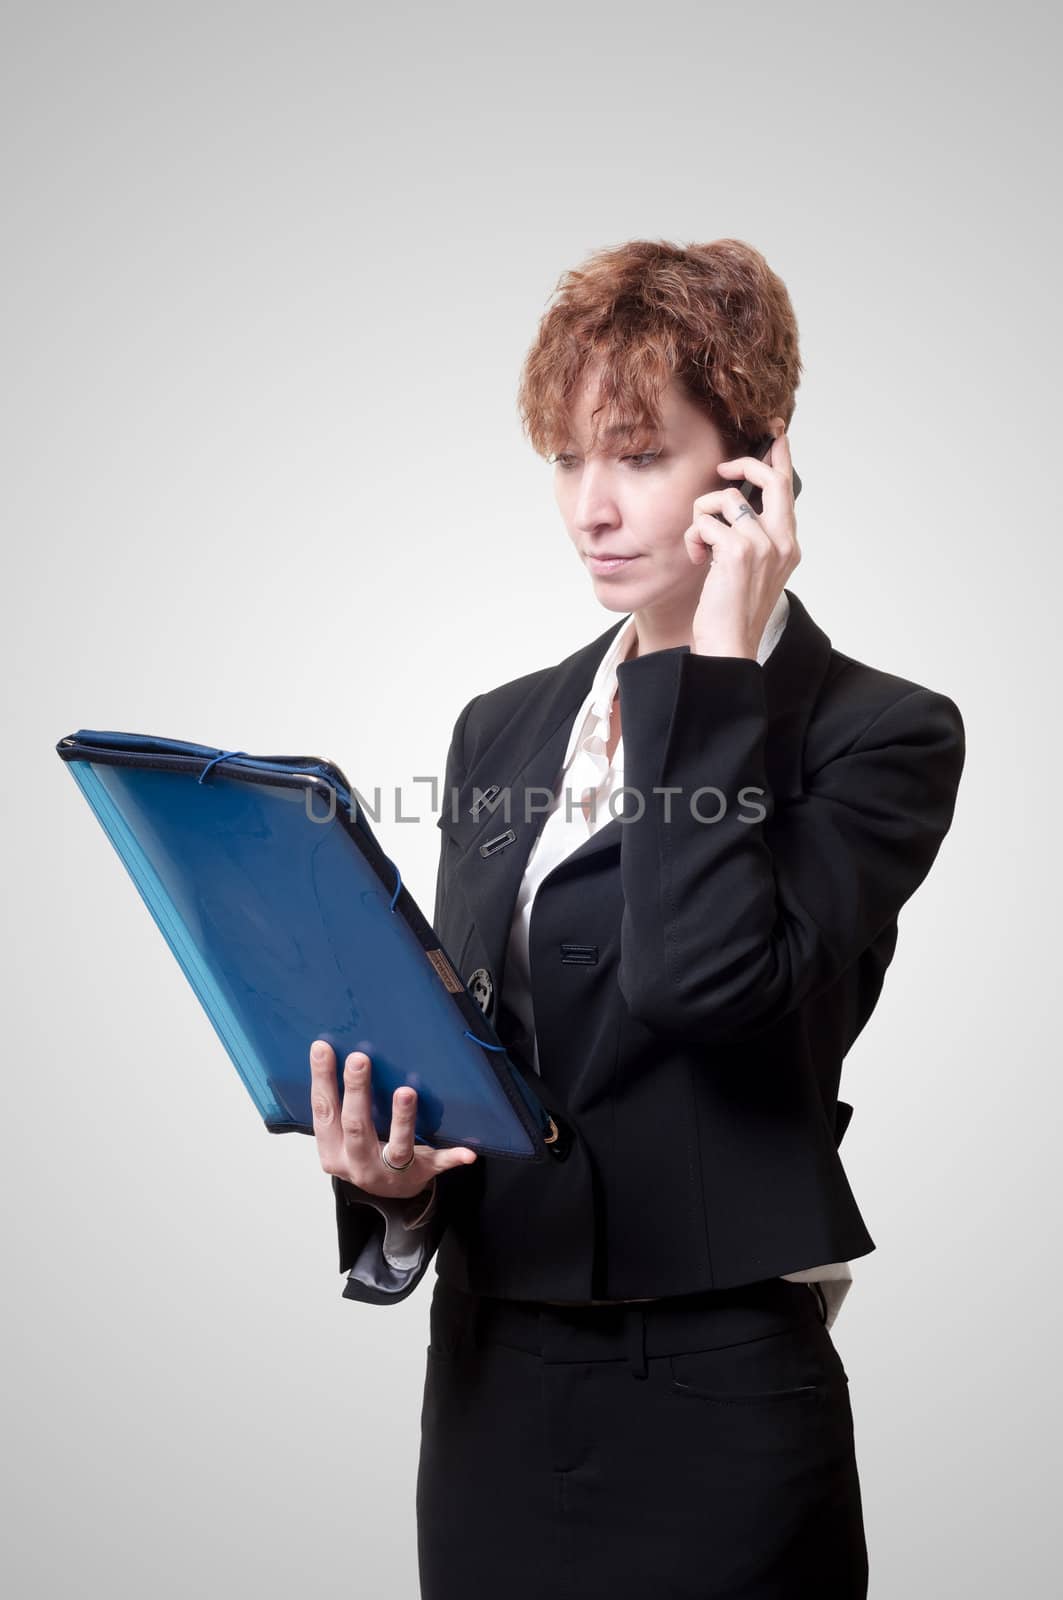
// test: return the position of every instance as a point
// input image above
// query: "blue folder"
(291, 924)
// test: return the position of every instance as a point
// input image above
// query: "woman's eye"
(646, 459)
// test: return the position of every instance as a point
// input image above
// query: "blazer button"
(482, 988)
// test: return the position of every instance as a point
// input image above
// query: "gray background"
(270, 273)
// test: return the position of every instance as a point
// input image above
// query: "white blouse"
(587, 775)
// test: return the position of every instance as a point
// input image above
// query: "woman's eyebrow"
(624, 431)
(620, 432)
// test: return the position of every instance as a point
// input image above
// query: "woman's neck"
(663, 627)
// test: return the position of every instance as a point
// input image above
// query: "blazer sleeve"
(386, 1245)
(722, 934)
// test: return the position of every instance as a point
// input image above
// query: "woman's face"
(639, 506)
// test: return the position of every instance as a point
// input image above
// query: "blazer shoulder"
(858, 701)
(489, 712)
(494, 706)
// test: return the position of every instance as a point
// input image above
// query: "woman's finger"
(325, 1105)
(742, 530)
(775, 481)
(443, 1160)
(401, 1142)
(403, 1122)
(361, 1147)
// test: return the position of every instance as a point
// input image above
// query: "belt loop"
(636, 1340)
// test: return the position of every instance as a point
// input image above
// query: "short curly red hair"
(713, 316)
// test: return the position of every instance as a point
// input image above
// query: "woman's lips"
(605, 564)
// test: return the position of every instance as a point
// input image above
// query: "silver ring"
(391, 1164)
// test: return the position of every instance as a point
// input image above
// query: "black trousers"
(699, 1446)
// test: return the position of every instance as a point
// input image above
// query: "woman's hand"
(751, 556)
(346, 1138)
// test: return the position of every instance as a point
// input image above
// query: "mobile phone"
(752, 491)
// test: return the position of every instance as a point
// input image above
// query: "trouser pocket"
(794, 1365)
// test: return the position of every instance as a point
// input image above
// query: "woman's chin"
(627, 590)
(650, 591)
(616, 597)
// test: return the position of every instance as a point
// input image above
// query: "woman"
(632, 1387)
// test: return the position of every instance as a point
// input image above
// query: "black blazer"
(696, 984)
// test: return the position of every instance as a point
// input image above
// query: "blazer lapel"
(522, 761)
(500, 809)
